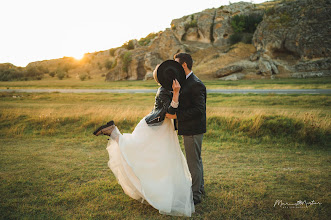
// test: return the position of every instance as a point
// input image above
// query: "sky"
(35, 30)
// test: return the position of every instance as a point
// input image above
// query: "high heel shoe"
(98, 131)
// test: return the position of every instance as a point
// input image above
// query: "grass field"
(99, 83)
(257, 149)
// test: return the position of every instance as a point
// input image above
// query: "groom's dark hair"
(185, 58)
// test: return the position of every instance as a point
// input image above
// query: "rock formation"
(293, 40)
(292, 34)
(209, 28)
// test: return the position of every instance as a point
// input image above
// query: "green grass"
(99, 83)
(257, 149)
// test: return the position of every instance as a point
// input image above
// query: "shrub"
(99, 65)
(128, 45)
(146, 40)
(126, 58)
(108, 64)
(235, 38)
(60, 74)
(270, 11)
(245, 23)
(82, 77)
(247, 38)
(114, 64)
(193, 23)
(244, 26)
(112, 51)
(52, 74)
(10, 74)
(238, 23)
(33, 73)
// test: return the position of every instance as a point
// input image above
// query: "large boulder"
(228, 70)
(233, 77)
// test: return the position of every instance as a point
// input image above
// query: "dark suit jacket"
(191, 112)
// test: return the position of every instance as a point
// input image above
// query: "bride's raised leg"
(115, 134)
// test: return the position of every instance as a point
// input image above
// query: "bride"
(149, 164)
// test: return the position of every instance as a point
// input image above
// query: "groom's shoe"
(98, 131)
(196, 201)
(203, 192)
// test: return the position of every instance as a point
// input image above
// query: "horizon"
(39, 30)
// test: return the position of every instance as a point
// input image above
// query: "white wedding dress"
(150, 166)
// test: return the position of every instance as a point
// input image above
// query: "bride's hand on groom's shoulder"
(171, 116)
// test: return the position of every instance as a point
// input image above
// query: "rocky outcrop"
(301, 28)
(314, 68)
(144, 59)
(294, 32)
(293, 39)
(267, 67)
(211, 26)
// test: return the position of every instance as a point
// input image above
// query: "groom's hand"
(171, 116)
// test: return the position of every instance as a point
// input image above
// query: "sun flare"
(78, 56)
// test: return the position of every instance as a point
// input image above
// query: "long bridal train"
(150, 166)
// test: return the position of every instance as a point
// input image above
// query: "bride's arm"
(174, 103)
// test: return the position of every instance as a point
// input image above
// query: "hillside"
(277, 39)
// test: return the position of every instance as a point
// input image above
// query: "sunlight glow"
(56, 28)
(78, 56)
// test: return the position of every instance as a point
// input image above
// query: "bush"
(52, 74)
(146, 40)
(112, 51)
(10, 74)
(127, 58)
(114, 64)
(108, 64)
(235, 38)
(193, 23)
(60, 74)
(244, 26)
(34, 73)
(247, 38)
(82, 77)
(245, 23)
(128, 45)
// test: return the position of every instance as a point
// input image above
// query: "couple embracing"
(149, 164)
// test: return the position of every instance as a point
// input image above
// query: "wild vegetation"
(99, 83)
(244, 27)
(9, 72)
(258, 149)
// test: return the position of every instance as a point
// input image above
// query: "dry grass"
(48, 112)
(52, 167)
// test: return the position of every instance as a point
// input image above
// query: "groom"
(191, 117)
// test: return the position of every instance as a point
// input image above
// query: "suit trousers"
(193, 144)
